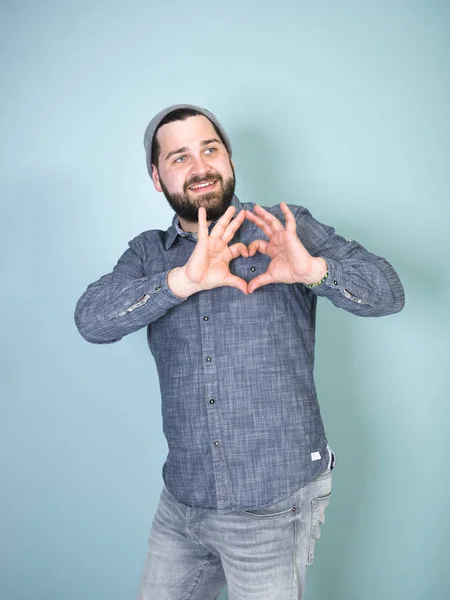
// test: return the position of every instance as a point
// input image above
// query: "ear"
(155, 179)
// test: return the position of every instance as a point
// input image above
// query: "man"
(228, 294)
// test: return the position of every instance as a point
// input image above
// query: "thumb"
(259, 281)
(236, 282)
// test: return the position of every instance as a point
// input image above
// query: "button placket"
(212, 395)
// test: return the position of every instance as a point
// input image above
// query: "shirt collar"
(175, 229)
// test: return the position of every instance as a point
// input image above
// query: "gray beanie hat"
(154, 123)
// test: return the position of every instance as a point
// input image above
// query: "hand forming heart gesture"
(291, 262)
(208, 265)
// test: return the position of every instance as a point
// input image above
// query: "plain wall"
(342, 107)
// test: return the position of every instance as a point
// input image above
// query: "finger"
(257, 246)
(202, 224)
(269, 218)
(233, 227)
(258, 221)
(222, 223)
(239, 249)
(236, 282)
(259, 281)
(291, 224)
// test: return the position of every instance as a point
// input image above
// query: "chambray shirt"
(239, 405)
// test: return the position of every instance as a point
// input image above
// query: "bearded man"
(228, 294)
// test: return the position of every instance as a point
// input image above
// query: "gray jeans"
(261, 554)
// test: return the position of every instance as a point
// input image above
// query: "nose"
(200, 165)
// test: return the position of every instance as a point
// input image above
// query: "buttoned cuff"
(337, 282)
(159, 293)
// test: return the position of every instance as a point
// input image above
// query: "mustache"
(196, 179)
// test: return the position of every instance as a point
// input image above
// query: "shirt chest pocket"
(265, 304)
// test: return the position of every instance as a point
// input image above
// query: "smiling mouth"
(202, 186)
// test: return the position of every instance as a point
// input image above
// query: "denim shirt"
(239, 405)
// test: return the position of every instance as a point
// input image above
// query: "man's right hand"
(209, 264)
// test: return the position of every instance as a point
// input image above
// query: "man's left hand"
(291, 262)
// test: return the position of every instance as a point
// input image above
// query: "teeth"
(201, 185)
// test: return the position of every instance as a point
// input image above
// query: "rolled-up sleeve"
(123, 301)
(358, 281)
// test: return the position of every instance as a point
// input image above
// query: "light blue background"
(339, 106)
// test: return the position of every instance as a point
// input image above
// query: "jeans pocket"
(318, 507)
(278, 509)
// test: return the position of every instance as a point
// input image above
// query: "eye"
(210, 150)
(180, 159)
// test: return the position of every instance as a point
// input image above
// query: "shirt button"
(157, 288)
(335, 282)
(205, 318)
(252, 269)
(216, 443)
(212, 401)
(208, 359)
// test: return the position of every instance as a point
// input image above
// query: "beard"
(215, 203)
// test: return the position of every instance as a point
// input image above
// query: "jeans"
(261, 554)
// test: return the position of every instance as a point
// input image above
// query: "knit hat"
(154, 123)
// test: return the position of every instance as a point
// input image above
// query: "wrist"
(180, 284)
(317, 271)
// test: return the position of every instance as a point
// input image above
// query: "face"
(194, 169)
